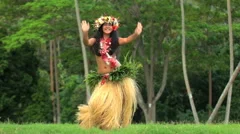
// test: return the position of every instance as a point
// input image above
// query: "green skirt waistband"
(127, 69)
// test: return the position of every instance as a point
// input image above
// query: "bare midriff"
(103, 68)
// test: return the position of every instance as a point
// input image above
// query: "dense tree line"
(29, 28)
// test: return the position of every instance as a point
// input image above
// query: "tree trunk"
(142, 105)
(146, 68)
(85, 61)
(58, 50)
(147, 108)
(209, 85)
(152, 107)
(224, 93)
(231, 61)
(135, 47)
(52, 82)
(151, 112)
(210, 91)
(141, 102)
(56, 82)
(184, 67)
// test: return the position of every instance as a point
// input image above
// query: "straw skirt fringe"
(111, 105)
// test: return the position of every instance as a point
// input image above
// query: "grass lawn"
(6, 128)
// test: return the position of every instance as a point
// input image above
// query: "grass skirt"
(112, 104)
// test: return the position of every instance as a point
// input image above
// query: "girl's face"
(107, 28)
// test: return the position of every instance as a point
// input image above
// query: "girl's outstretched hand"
(138, 29)
(85, 26)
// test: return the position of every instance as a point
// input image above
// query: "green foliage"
(71, 58)
(40, 108)
(17, 83)
(91, 10)
(72, 93)
(28, 34)
(3, 60)
(43, 21)
(234, 116)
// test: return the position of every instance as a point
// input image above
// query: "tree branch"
(224, 93)
(164, 79)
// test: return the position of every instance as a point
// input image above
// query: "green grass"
(6, 128)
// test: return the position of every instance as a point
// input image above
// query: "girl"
(113, 101)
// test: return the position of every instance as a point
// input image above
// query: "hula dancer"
(113, 101)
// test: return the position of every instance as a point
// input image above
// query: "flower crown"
(106, 19)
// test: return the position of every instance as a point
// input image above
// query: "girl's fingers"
(139, 25)
(139, 28)
(84, 22)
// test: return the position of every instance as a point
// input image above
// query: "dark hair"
(114, 41)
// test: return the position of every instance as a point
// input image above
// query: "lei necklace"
(108, 59)
(104, 49)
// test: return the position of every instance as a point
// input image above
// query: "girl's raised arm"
(131, 37)
(86, 40)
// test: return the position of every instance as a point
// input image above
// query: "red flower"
(113, 62)
(115, 28)
(104, 78)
